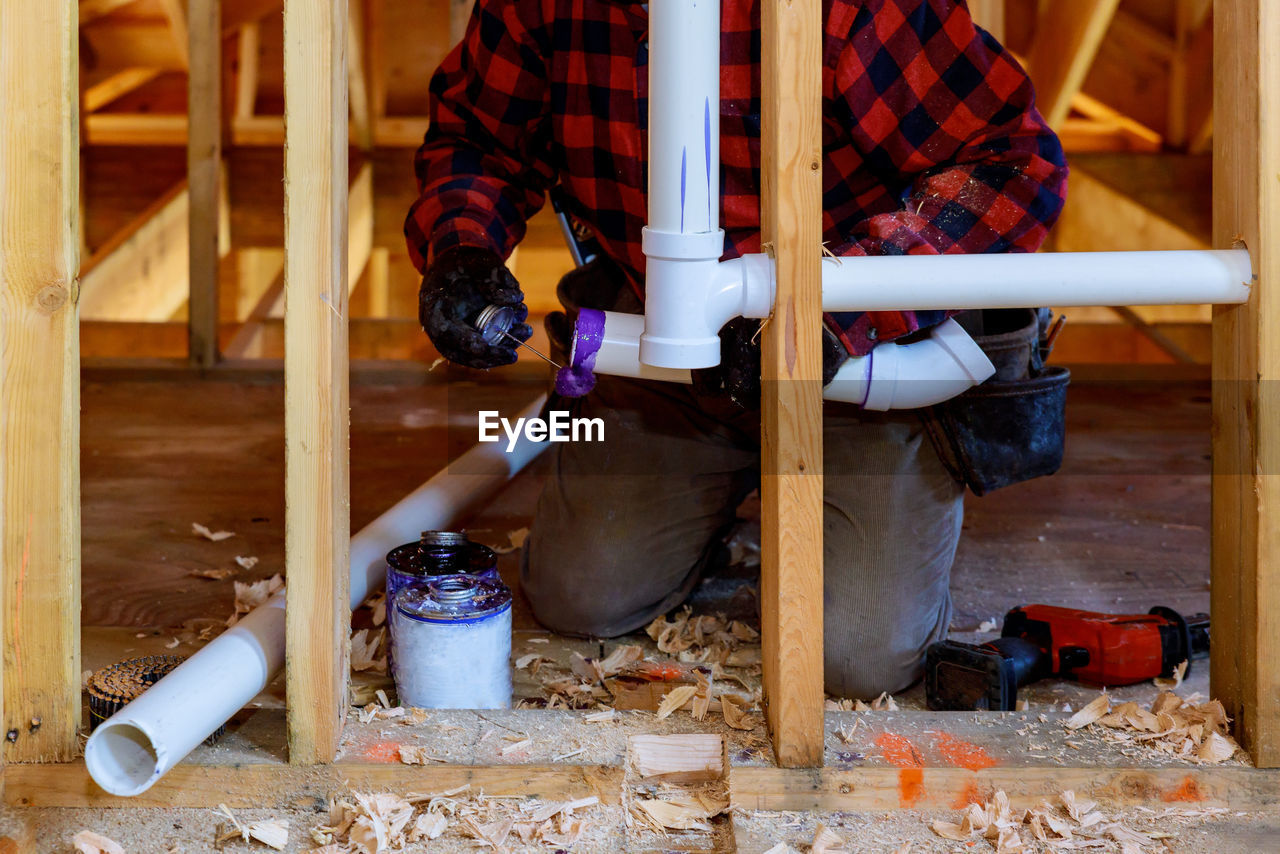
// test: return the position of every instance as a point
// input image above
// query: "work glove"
(738, 374)
(461, 282)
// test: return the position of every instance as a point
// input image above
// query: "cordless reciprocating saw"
(1039, 641)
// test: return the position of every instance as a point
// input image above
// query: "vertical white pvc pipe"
(684, 116)
(138, 745)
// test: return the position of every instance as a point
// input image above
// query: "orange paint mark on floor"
(963, 754)
(1188, 791)
(899, 750)
(910, 786)
(383, 751)
(970, 794)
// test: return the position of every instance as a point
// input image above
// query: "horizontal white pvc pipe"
(138, 745)
(892, 376)
(1018, 280)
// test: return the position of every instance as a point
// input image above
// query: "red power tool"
(1039, 641)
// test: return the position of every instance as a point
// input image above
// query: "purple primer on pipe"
(578, 377)
(684, 168)
(706, 151)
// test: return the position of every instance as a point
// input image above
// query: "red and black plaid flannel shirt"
(931, 139)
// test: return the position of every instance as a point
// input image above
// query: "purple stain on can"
(578, 377)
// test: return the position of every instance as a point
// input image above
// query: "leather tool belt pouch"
(1012, 427)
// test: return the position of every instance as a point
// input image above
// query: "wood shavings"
(273, 833)
(884, 703)
(414, 717)
(377, 605)
(250, 595)
(606, 714)
(742, 631)
(733, 709)
(680, 813)
(1100, 706)
(493, 834)
(428, 825)
(413, 755)
(246, 561)
(781, 848)
(988, 626)
(1195, 732)
(516, 538)
(675, 699)
(215, 536)
(845, 733)
(88, 842)
(826, 841)
(701, 697)
(515, 746)
(215, 574)
(365, 645)
(1168, 684)
(620, 658)
(172, 643)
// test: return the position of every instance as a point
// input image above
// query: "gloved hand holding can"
(461, 283)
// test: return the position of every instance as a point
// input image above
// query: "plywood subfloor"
(1123, 527)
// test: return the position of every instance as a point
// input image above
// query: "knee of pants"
(865, 658)
(573, 588)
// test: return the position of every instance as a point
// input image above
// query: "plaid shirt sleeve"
(939, 109)
(482, 169)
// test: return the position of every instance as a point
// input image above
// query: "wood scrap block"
(682, 758)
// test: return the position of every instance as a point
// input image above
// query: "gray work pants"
(624, 527)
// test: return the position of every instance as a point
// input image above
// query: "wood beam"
(459, 14)
(141, 272)
(357, 78)
(317, 521)
(791, 597)
(175, 13)
(990, 15)
(40, 379)
(135, 129)
(377, 71)
(92, 10)
(1246, 367)
(1067, 39)
(247, 64)
(204, 178)
(117, 85)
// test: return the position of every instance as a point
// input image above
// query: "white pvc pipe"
(1018, 280)
(684, 116)
(138, 745)
(892, 376)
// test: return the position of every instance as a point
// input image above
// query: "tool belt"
(1012, 427)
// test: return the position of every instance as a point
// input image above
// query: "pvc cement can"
(451, 643)
(439, 553)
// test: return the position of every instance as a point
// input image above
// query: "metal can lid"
(493, 321)
(452, 599)
(441, 553)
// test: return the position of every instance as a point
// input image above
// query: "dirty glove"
(738, 374)
(458, 286)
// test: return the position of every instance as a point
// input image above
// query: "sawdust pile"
(373, 823)
(1196, 732)
(1071, 824)
(250, 595)
(883, 703)
(680, 808)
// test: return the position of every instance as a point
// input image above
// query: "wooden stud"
(40, 379)
(317, 522)
(117, 85)
(204, 174)
(1067, 39)
(175, 12)
(459, 14)
(791, 373)
(1246, 367)
(357, 79)
(247, 64)
(990, 15)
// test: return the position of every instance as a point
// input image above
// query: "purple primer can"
(439, 553)
(451, 643)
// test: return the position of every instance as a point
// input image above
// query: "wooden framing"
(791, 381)
(1067, 39)
(39, 382)
(39, 389)
(317, 522)
(204, 176)
(1246, 364)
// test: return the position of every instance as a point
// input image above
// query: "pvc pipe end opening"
(122, 759)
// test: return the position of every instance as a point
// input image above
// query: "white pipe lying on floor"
(138, 745)
(892, 376)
